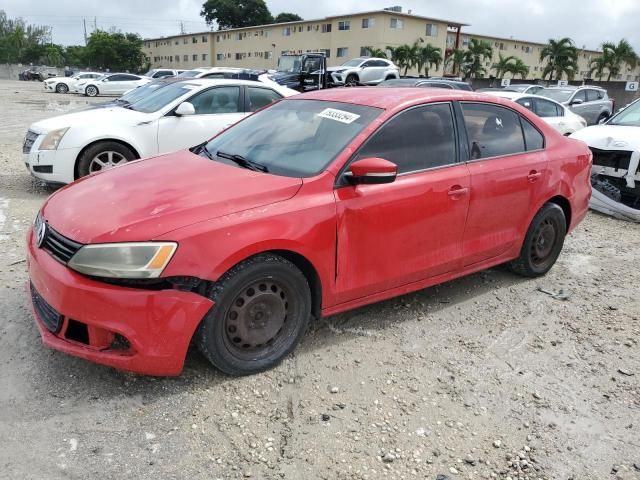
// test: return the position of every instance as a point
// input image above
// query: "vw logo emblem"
(41, 233)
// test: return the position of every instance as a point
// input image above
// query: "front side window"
(294, 138)
(594, 95)
(416, 139)
(261, 97)
(492, 131)
(217, 100)
(526, 103)
(580, 95)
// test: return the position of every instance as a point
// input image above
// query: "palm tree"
(376, 52)
(562, 58)
(404, 56)
(428, 56)
(457, 59)
(502, 65)
(518, 67)
(476, 54)
(617, 55)
(597, 66)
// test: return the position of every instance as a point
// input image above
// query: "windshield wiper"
(240, 160)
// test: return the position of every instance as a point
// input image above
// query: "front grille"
(59, 246)
(29, 140)
(617, 159)
(51, 319)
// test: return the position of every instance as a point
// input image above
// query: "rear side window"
(526, 103)
(493, 131)
(533, 139)
(436, 85)
(416, 139)
(261, 97)
(594, 95)
(545, 108)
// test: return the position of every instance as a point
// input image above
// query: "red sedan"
(318, 204)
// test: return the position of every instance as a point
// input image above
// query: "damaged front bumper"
(616, 183)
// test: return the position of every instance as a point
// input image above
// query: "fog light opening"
(120, 343)
(77, 332)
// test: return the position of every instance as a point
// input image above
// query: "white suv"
(363, 71)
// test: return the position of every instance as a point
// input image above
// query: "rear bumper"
(95, 318)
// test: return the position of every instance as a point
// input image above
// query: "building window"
(465, 41)
(194, 57)
(218, 38)
(286, 32)
(220, 57)
(364, 51)
(326, 28)
(326, 51)
(204, 57)
(342, 52)
(368, 22)
(345, 25)
(177, 58)
(432, 30)
(238, 56)
(308, 28)
(396, 23)
(300, 28)
(185, 41)
(177, 42)
(171, 58)
(268, 55)
(185, 58)
(194, 40)
(204, 39)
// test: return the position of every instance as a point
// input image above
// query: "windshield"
(138, 93)
(629, 117)
(294, 138)
(289, 63)
(190, 73)
(557, 94)
(355, 62)
(162, 97)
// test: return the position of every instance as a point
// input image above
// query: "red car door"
(397, 233)
(508, 166)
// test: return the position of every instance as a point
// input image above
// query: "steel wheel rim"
(543, 242)
(258, 320)
(106, 160)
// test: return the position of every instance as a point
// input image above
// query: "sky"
(588, 22)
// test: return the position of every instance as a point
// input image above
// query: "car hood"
(112, 115)
(284, 78)
(335, 69)
(610, 137)
(148, 198)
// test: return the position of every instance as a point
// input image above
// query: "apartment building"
(340, 37)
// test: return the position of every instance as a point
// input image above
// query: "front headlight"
(52, 140)
(123, 260)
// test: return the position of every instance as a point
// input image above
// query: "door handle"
(534, 176)
(457, 191)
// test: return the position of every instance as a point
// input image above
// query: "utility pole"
(182, 30)
(95, 23)
(84, 22)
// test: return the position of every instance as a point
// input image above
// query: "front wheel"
(62, 88)
(91, 91)
(262, 309)
(102, 156)
(351, 81)
(543, 242)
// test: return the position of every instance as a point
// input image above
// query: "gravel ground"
(483, 377)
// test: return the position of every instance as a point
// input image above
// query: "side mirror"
(368, 171)
(576, 101)
(185, 108)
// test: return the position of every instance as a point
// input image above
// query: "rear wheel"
(262, 309)
(102, 156)
(543, 242)
(62, 88)
(91, 91)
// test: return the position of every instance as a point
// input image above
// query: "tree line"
(31, 44)
(244, 13)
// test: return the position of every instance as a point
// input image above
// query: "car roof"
(518, 95)
(220, 81)
(391, 97)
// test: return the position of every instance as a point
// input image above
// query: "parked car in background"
(136, 94)
(427, 82)
(530, 88)
(67, 84)
(555, 114)
(363, 71)
(179, 115)
(223, 72)
(163, 73)
(110, 84)
(591, 103)
(313, 206)
(616, 163)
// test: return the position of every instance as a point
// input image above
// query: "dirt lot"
(484, 377)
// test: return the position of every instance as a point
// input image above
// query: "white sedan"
(179, 115)
(555, 114)
(66, 84)
(110, 84)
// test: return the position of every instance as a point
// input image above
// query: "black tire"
(603, 116)
(86, 164)
(91, 91)
(543, 242)
(262, 310)
(351, 80)
(62, 88)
